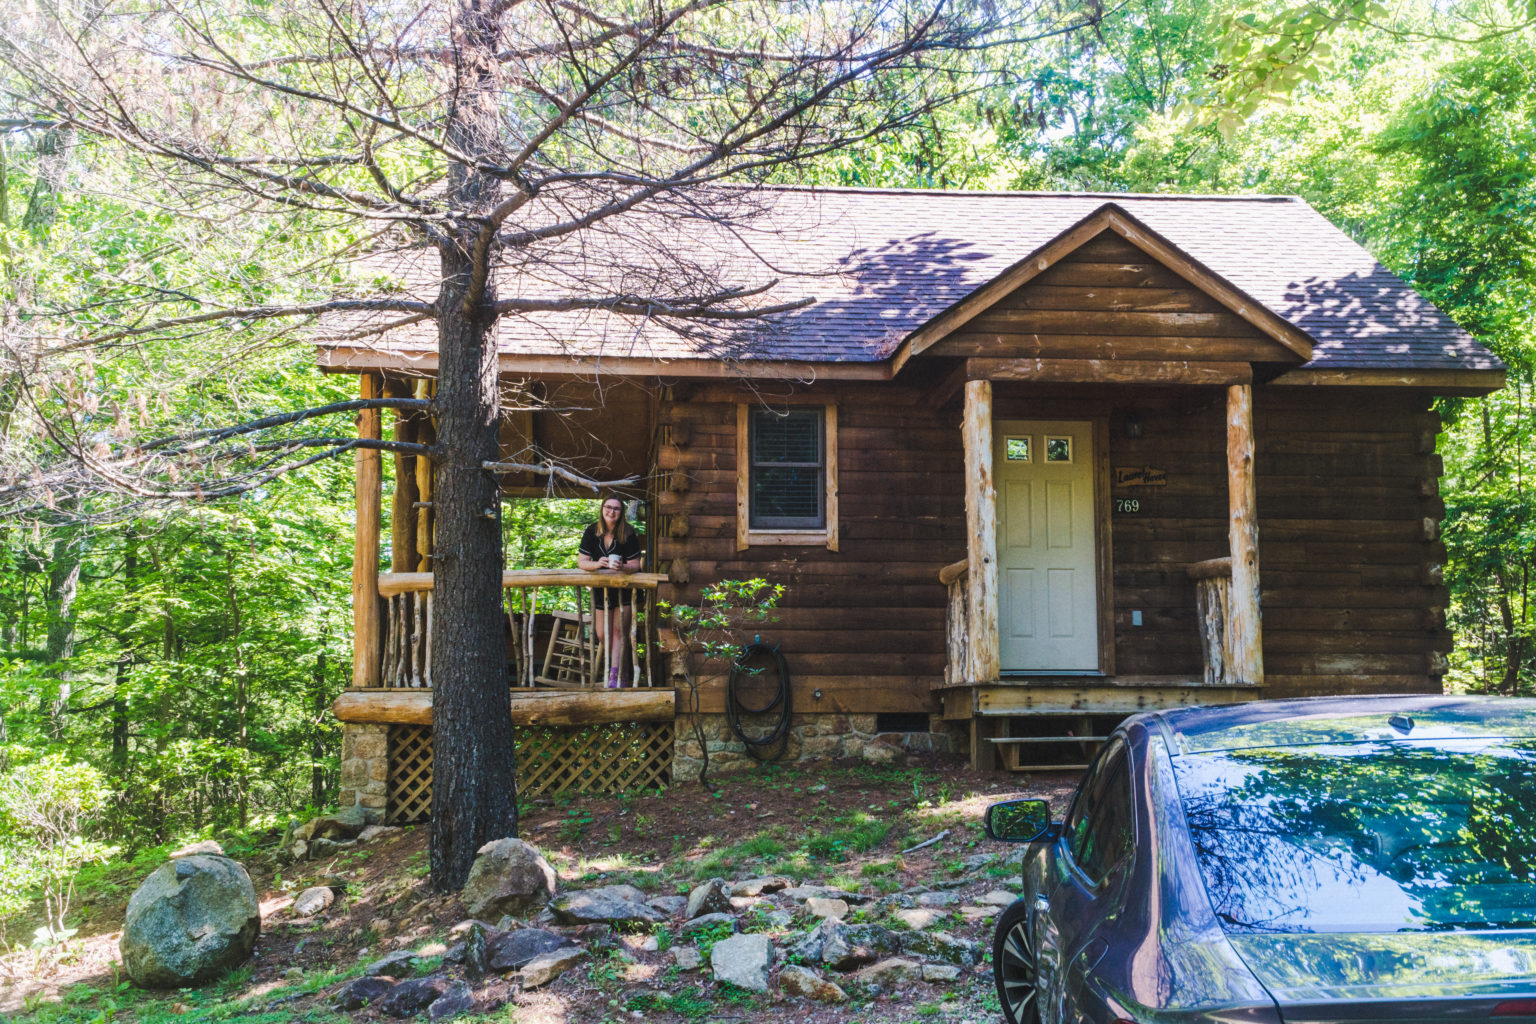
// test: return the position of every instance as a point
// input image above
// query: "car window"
(1419, 834)
(1099, 834)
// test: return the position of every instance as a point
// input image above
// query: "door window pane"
(1058, 449)
(1016, 449)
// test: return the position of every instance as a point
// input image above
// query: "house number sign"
(1130, 505)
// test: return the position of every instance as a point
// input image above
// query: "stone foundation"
(811, 738)
(365, 768)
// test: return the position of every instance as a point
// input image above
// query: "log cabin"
(1024, 463)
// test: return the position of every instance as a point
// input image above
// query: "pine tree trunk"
(474, 780)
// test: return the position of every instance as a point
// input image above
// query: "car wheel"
(1014, 966)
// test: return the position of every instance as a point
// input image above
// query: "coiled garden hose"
(736, 706)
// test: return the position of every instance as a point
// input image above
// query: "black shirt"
(593, 547)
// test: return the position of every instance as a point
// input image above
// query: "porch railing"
(1213, 603)
(957, 624)
(553, 639)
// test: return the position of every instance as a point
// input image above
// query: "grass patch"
(757, 848)
(861, 832)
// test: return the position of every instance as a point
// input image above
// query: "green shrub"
(46, 808)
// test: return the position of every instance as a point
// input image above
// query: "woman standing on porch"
(610, 545)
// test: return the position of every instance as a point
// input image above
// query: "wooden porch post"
(981, 527)
(1244, 635)
(365, 550)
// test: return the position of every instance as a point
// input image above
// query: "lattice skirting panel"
(591, 759)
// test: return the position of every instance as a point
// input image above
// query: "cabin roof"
(877, 266)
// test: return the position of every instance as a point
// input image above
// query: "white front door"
(1047, 615)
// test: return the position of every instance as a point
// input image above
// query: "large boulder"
(189, 922)
(508, 877)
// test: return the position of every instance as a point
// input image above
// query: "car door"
(1083, 883)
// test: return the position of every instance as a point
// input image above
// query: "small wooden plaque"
(1140, 476)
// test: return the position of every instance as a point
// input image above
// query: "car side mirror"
(1018, 821)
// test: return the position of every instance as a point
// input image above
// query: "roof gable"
(1005, 306)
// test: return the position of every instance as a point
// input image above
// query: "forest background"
(171, 666)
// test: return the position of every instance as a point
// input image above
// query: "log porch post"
(981, 526)
(365, 550)
(1245, 637)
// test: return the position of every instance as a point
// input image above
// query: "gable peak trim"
(1110, 216)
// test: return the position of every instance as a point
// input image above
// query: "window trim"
(746, 536)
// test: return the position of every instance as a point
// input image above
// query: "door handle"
(1042, 905)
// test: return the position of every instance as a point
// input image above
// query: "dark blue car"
(1322, 860)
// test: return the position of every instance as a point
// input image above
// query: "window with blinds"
(788, 469)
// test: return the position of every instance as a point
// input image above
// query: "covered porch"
(575, 732)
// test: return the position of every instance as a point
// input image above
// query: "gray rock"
(844, 947)
(835, 909)
(890, 973)
(546, 967)
(190, 921)
(760, 886)
(687, 958)
(712, 897)
(940, 974)
(704, 921)
(628, 892)
(476, 956)
(402, 964)
(743, 960)
(313, 900)
(320, 848)
(668, 905)
(801, 893)
(919, 918)
(372, 832)
(462, 928)
(458, 999)
(977, 861)
(409, 998)
(795, 980)
(937, 899)
(362, 992)
(508, 877)
(343, 825)
(512, 950)
(941, 946)
(206, 846)
(607, 905)
(776, 918)
(997, 898)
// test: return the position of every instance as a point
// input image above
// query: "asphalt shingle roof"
(878, 264)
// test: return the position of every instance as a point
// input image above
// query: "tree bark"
(63, 583)
(474, 782)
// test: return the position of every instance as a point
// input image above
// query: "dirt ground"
(841, 824)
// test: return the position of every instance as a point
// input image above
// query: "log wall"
(1350, 565)
(1347, 493)
(865, 624)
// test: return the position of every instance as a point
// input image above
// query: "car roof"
(1313, 721)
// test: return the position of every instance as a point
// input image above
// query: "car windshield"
(1386, 836)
